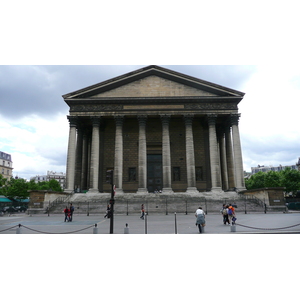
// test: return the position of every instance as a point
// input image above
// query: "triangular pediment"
(153, 81)
(154, 86)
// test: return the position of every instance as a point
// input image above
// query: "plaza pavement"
(155, 224)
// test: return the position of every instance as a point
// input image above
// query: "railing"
(59, 200)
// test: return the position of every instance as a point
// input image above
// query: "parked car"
(21, 208)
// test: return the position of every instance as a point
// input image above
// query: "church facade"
(158, 130)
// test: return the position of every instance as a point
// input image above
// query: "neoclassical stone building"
(159, 130)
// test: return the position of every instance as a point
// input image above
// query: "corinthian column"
(237, 150)
(94, 165)
(70, 176)
(118, 169)
(166, 154)
(190, 155)
(142, 155)
(229, 158)
(214, 154)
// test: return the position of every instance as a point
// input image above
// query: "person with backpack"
(225, 214)
(71, 212)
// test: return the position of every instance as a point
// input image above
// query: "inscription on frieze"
(153, 107)
(199, 106)
(96, 107)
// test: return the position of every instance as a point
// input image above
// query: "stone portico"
(159, 130)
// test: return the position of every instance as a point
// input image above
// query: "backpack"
(224, 211)
(72, 208)
(229, 211)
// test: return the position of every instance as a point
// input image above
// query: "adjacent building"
(158, 130)
(58, 176)
(6, 165)
(259, 168)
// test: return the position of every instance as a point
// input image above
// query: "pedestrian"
(107, 214)
(66, 211)
(231, 214)
(142, 212)
(71, 212)
(200, 215)
(225, 214)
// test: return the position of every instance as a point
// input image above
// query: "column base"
(142, 191)
(217, 189)
(119, 191)
(192, 190)
(93, 191)
(167, 191)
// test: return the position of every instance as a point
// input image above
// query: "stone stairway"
(160, 203)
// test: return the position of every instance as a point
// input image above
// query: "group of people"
(69, 213)
(228, 212)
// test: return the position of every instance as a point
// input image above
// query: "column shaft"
(94, 165)
(142, 155)
(190, 155)
(214, 155)
(237, 150)
(118, 169)
(70, 174)
(166, 154)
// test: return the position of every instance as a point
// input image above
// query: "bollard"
(233, 228)
(126, 229)
(19, 229)
(95, 229)
(175, 224)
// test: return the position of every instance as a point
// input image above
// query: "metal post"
(166, 206)
(186, 207)
(95, 229)
(19, 229)
(88, 210)
(245, 206)
(175, 224)
(205, 206)
(145, 222)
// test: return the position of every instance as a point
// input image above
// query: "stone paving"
(154, 224)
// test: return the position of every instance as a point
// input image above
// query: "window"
(176, 173)
(131, 174)
(199, 174)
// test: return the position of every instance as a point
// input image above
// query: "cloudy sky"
(238, 46)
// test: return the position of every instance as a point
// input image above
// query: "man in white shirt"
(200, 215)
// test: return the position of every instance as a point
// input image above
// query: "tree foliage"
(19, 187)
(288, 178)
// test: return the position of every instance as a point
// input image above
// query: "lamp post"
(110, 180)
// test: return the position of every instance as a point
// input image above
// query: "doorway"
(154, 172)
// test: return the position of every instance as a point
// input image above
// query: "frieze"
(96, 107)
(219, 106)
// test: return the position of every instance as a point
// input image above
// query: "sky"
(245, 47)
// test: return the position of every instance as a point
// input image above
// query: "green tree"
(272, 179)
(290, 179)
(17, 188)
(256, 181)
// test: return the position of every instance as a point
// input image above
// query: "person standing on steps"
(200, 215)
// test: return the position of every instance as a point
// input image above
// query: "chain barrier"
(267, 228)
(48, 232)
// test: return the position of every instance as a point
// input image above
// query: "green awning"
(4, 200)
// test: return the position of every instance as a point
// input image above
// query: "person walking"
(225, 214)
(142, 212)
(66, 211)
(107, 215)
(200, 215)
(231, 214)
(71, 212)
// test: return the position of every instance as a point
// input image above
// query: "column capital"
(142, 119)
(211, 119)
(73, 121)
(188, 119)
(234, 118)
(119, 119)
(96, 121)
(165, 118)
